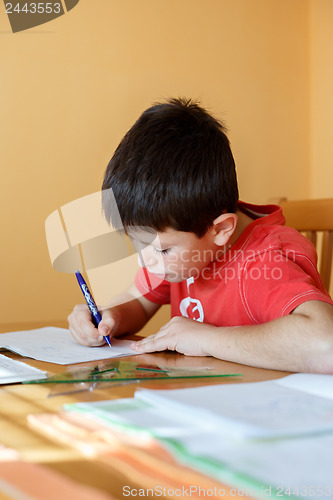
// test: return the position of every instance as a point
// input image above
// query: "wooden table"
(18, 401)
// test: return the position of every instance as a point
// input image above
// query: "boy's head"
(173, 169)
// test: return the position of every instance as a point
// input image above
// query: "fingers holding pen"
(82, 328)
(109, 323)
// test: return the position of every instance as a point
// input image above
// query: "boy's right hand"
(84, 331)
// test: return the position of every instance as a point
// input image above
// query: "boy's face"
(174, 255)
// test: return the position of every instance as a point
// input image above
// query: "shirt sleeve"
(272, 286)
(157, 290)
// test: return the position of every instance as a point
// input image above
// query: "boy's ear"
(224, 226)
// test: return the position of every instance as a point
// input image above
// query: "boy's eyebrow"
(162, 247)
(147, 238)
(143, 242)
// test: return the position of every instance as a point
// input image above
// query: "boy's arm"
(301, 341)
(126, 313)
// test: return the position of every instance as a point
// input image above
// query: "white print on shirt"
(196, 310)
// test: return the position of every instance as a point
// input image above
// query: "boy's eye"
(161, 252)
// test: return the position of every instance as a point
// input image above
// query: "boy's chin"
(171, 277)
(175, 278)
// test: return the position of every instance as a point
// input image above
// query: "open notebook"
(56, 345)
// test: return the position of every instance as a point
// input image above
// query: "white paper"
(293, 467)
(12, 371)
(298, 467)
(311, 383)
(261, 409)
(131, 413)
(56, 345)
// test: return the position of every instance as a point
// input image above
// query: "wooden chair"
(311, 217)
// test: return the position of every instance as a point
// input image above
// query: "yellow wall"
(321, 85)
(70, 89)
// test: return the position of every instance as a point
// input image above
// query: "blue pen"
(96, 316)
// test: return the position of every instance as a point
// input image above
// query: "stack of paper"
(274, 438)
(12, 371)
(271, 409)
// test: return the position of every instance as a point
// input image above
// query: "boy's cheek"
(172, 257)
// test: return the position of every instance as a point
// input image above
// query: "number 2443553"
(34, 8)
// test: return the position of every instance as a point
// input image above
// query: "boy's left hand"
(180, 334)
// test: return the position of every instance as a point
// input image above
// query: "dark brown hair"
(173, 169)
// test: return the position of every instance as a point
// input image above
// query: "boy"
(242, 286)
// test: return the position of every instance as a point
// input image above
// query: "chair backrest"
(311, 217)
